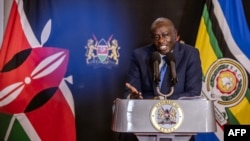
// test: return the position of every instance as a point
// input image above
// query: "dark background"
(75, 21)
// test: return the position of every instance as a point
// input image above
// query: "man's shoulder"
(186, 47)
(145, 48)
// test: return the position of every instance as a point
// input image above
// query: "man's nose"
(162, 39)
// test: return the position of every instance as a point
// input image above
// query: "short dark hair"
(160, 22)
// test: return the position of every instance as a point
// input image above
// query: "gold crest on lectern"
(166, 116)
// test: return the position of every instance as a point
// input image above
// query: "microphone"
(171, 63)
(156, 60)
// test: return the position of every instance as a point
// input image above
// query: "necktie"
(162, 70)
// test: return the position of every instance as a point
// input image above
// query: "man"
(141, 83)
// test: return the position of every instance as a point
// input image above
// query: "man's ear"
(176, 35)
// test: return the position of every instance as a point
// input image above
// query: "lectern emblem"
(166, 116)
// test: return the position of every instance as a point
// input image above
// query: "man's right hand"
(135, 94)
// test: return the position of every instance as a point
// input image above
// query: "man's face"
(164, 38)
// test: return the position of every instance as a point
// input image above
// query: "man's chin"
(165, 52)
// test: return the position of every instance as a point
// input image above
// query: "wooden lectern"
(163, 120)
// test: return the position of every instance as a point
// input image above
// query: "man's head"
(164, 35)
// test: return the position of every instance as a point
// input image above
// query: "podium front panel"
(134, 116)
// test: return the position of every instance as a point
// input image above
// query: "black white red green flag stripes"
(35, 101)
(223, 41)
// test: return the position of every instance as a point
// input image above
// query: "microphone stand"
(165, 95)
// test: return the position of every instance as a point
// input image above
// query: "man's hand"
(134, 92)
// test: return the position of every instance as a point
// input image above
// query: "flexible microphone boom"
(171, 63)
(156, 60)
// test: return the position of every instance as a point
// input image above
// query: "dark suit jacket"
(188, 69)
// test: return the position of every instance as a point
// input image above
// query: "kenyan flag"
(35, 100)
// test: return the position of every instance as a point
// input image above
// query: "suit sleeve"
(133, 76)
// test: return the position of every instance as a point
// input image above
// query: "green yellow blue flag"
(223, 41)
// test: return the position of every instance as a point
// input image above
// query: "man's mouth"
(163, 47)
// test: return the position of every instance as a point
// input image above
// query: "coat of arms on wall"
(102, 51)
